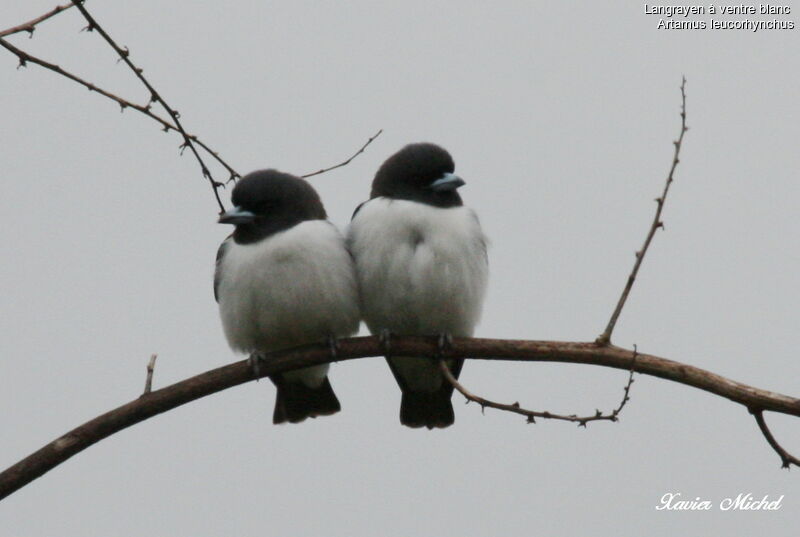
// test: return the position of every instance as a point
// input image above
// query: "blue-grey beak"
(236, 216)
(447, 183)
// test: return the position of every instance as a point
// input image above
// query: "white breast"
(421, 269)
(295, 287)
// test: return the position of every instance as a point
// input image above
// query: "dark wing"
(358, 209)
(217, 275)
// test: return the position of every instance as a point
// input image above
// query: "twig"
(531, 415)
(787, 459)
(166, 126)
(124, 54)
(240, 372)
(30, 26)
(346, 162)
(605, 337)
(151, 366)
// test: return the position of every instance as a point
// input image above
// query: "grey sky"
(560, 117)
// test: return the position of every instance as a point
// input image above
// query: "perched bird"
(284, 278)
(422, 270)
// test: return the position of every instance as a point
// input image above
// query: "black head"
(419, 172)
(269, 201)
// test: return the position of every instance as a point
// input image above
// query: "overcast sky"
(560, 117)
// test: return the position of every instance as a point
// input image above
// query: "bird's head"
(267, 202)
(419, 172)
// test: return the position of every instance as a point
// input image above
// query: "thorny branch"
(166, 124)
(531, 415)
(30, 26)
(25, 57)
(216, 380)
(605, 337)
(346, 162)
(124, 55)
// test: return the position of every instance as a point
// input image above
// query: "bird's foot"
(255, 364)
(333, 347)
(384, 338)
(445, 343)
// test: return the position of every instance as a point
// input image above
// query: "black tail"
(295, 401)
(427, 409)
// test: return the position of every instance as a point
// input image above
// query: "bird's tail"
(427, 409)
(296, 401)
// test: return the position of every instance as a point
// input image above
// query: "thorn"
(165, 128)
(22, 63)
(176, 114)
(122, 107)
(515, 404)
(153, 97)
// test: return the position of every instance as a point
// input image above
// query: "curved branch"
(153, 403)
(531, 415)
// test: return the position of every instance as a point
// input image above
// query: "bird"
(422, 269)
(284, 278)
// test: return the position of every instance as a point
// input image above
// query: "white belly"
(294, 288)
(421, 269)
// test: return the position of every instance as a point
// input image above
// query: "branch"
(30, 26)
(531, 415)
(166, 126)
(346, 162)
(605, 337)
(151, 367)
(124, 55)
(787, 459)
(240, 372)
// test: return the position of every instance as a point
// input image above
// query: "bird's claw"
(384, 338)
(254, 361)
(445, 343)
(333, 347)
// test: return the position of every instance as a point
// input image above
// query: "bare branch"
(346, 162)
(124, 55)
(151, 366)
(240, 372)
(605, 337)
(124, 104)
(531, 415)
(787, 459)
(30, 26)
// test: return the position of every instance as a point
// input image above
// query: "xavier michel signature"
(672, 501)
